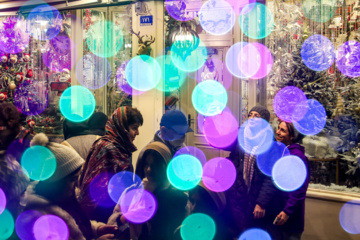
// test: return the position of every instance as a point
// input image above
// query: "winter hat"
(264, 113)
(67, 159)
(161, 148)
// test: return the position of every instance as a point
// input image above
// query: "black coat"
(241, 199)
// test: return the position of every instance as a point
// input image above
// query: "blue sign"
(146, 20)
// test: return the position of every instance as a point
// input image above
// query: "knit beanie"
(67, 159)
(264, 113)
(161, 148)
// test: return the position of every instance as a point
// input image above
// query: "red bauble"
(3, 96)
(29, 73)
(31, 123)
(6, 68)
(19, 77)
(29, 98)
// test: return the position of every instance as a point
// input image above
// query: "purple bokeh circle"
(241, 60)
(99, 192)
(138, 206)
(92, 71)
(31, 98)
(2, 201)
(123, 181)
(177, 10)
(285, 102)
(25, 223)
(50, 227)
(266, 161)
(266, 61)
(193, 151)
(221, 130)
(219, 174)
(347, 58)
(238, 6)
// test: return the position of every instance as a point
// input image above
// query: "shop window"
(333, 152)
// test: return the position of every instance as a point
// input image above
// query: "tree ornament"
(12, 85)
(3, 96)
(29, 98)
(6, 78)
(12, 69)
(29, 73)
(13, 58)
(6, 68)
(4, 59)
(26, 57)
(19, 77)
(31, 125)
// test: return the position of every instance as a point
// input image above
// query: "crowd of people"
(101, 147)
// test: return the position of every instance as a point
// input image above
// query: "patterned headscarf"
(109, 155)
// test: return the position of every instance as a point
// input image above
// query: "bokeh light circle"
(138, 206)
(13, 38)
(99, 192)
(266, 161)
(318, 52)
(219, 174)
(198, 226)
(314, 120)
(2, 201)
(209, 98)
(257, 23)
(289, 173)
(45, 22)
(242, 60)
(104, 39)
(25, 222)
(32, 98)
(251, 128)
(50, 227)
(319, 11)
(172, 78)
(143, 73)
(177, 10)
(189, 60)
(92, 71)
(209, 71)
(193, 151)
(7, 224)
(217, 17)
(238, 6)
(57, 56)
(123, 181)
(184, 172)
(39, 163)
(349, 217)
(265, 59)
(347, 58)
(254, 233)
(222, 129)
(122, 83)
(77, 104)
(286, 101)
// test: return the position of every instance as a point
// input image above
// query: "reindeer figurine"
(144, 46)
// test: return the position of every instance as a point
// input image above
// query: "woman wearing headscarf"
(252, 191)
(286, 218)
(81, 136)
(109, 155)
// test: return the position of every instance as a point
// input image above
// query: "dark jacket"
(241, 200)
(292, 203)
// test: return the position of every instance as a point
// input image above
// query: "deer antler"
(138, 35)
(150, 41)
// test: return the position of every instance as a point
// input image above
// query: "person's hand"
(283, 217)
(259, 212)
(106, 230)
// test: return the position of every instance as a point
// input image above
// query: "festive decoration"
(13, 38)
(3, 96)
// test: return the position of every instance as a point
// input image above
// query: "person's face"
(134, 131)
(282, 134)
(169, 134)
(254, 119)
(155, 169)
